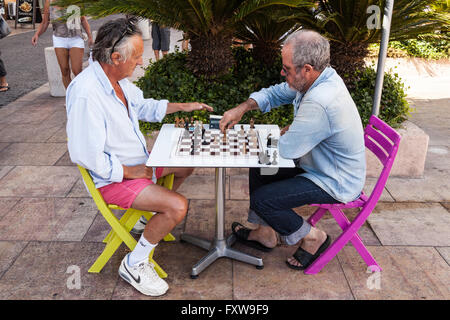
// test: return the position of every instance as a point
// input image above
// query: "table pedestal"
(219, 247)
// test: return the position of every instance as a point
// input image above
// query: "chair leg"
(316, 216)
(122, 220)
(356, 241)
(349, 234)
(107, 253)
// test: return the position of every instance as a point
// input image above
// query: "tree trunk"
(210, 56)
(266, 52)
(346, 59)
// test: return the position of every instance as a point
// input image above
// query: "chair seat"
(358, 203)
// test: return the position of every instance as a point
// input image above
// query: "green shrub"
(394, 109)
(429, 49)
(169, 79)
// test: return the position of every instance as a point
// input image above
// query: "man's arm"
(264, 100)
(187, 107)
(233, 116)
(86, 135)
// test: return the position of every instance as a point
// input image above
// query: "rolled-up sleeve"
(309, 128)
(86, 133)
(150, 110)
(274, 96)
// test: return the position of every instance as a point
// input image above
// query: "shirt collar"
(104, 80)
(326, 73)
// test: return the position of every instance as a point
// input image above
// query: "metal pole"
(386, 30)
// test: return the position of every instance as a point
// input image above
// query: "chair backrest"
(383, 141)
(95, 194)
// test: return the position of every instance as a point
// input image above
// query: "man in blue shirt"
(103, 113)
(325, 140)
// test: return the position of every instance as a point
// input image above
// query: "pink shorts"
(123, 193)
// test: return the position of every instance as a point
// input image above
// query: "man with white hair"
(103, 113)
(325, 140)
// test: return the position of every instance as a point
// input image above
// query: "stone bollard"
(143, 25)
(54, 73)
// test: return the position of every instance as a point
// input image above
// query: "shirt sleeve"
(274, 96)
(86, 133)
(309, 128)
(149, 110)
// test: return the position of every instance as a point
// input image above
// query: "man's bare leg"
(180, 174)
(170, 205)
(264, 235)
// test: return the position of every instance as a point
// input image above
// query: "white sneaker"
(143, 277)
(139, 226)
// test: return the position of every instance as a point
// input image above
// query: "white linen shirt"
(102, 135)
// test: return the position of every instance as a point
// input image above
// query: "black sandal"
(306, 258)
(4, 87)
(242, 236)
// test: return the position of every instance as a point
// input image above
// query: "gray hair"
(120, 31)
(309, 47)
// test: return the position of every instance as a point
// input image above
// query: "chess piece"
(252, 123)
(242, 131)
(177, 122)
(275, 158)
(186, 134)
(263, 158)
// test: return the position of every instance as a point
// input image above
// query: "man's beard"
(300, 85)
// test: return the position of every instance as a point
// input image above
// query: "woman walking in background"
(67, 39)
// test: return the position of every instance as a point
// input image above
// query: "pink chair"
(383, 141)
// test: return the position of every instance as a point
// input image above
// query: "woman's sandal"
(3, 87)
(242, 236)
(306, 258)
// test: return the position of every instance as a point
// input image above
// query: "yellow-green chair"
(120, 229)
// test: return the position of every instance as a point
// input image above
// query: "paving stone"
(35, 132)
(412, 224)
(368, 188)
(59, 136)
(4, 170)
(27, 115)
(49, 271)
(9, 250)
(201, 187)
(65, 160)
(177, 259)
(446, 205)
(48, 219)
(37, 154)
(239, 187)
(3, 145)
(79, 190)
(43, 181)
(414, 273)
(201, 217)
(277, 281)
(445, 253)
(6, 204)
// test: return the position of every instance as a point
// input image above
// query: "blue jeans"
(272, 198)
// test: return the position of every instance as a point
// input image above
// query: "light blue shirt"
(102, 135)
(326, 135)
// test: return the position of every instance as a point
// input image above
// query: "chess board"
(242, 143)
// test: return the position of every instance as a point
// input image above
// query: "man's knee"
(179, 207)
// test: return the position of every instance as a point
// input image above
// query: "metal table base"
(219, 247)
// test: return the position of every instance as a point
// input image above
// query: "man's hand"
(187, 107)
(194, 106)
(137, 172)
(233, 116)
(283, 131)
